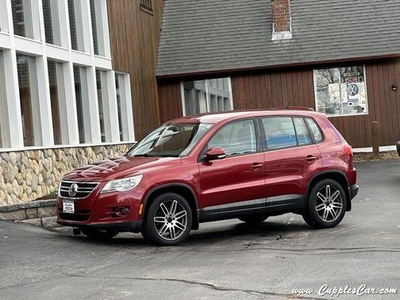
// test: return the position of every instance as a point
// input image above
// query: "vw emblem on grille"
(73, 190)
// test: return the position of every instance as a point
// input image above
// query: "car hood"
(117, 168)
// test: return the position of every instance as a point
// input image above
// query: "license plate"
(68, 207)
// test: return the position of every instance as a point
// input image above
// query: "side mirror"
(215, 153)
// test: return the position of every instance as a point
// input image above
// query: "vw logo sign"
(352, 89)
(73, 190)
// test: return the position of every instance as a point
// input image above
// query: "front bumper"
(398, 147)
(113, 211)
(132, 226)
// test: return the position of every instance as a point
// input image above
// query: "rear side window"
(303, 136)
(279, 132)
(284, 132)
(315, 130)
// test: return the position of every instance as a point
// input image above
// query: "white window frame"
(65, 58)
(90, 108)
(5, 7)
(103, 37)
(109, 103)
(12, 133)
(31, 12)
(83, 26)
(59, 14)
(124, 90)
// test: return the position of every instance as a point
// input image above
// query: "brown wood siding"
(296, 88)
(170, 101)
(273, 90)
(134, 37)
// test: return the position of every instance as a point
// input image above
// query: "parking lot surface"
(281, 259)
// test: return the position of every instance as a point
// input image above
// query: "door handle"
(310, 158)
(256, 166)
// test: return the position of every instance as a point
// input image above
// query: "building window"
(26, 65)
(78, 73)
(80, 39)
(124, 106)
(100, 103)
(207, 96)
(49, 98)
(72, 24)
(51, 22)
(341, 91)
(25, 21)
(54, 33)
(146, 6)
(47, 17)
(54, 100)
(94, 26)
(18, 17)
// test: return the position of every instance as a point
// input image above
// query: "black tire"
(97, 234)
(253, 220)
(168, 220)
(326, 204)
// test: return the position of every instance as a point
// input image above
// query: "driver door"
(234, 184)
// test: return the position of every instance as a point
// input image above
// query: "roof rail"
(287, 107)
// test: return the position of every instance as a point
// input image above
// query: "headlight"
(122, 185)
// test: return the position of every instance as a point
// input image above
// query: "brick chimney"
(281, 20)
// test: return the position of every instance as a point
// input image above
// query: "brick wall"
(281, 15)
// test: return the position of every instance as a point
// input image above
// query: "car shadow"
(267, 230)
(213, 233)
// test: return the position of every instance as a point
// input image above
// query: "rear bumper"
(398, 147)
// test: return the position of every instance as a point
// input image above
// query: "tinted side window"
(236, 138)
(315, 130)
(280, 132)
(303, 136)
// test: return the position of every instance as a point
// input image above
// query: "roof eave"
(164, 78)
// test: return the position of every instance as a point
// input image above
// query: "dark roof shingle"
(200, 36)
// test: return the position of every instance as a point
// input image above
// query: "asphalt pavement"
(281, 259)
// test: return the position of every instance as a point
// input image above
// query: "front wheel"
(168, 220)
(326, 204)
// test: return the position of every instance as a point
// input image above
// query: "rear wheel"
(168, 221)
(253, 220)
(326, 204)
(97, 234)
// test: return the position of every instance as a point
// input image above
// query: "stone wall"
(28, 175)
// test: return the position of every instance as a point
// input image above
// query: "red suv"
(239, 164)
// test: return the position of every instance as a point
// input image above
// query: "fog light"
(121, 211)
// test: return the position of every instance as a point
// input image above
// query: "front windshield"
(170, 140)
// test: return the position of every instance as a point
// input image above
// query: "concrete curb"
(41, 213)
(26, 211)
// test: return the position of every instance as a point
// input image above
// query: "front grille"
(76, 190)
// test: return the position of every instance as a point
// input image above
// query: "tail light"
(348, 150)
